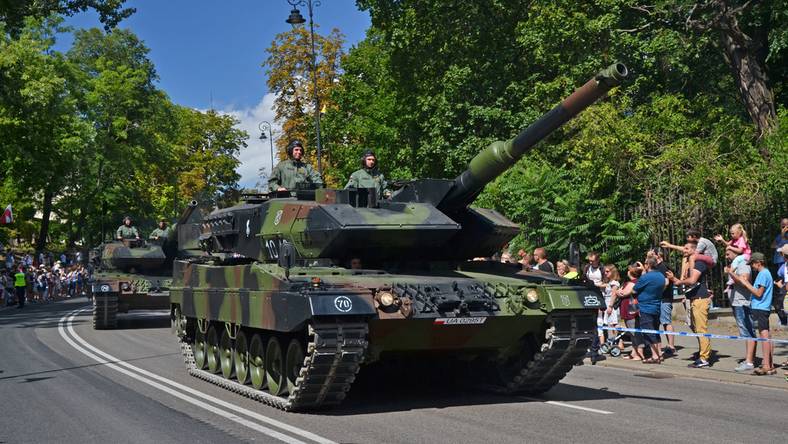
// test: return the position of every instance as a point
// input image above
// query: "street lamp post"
(296, 18)
(266, 126)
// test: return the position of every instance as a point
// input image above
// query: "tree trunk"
(750, 77)
(41, 242)
(76, 232)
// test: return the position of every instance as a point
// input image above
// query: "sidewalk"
(726, 355)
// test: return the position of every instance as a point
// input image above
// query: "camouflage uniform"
(160, 233)
(368, 178)
(125, 232)
(288, 173)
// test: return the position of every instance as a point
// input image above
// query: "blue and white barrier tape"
(692, 335)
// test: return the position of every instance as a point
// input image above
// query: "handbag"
(634, 308)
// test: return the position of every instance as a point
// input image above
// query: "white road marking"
(117, 364)
(571, 406)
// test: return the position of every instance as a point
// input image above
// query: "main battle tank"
(286, 297)
(130, 275)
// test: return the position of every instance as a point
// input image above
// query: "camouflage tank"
(130, 275)
(286, 297)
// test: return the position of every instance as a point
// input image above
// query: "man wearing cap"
(368, 176)
(761, 307)
(288, 173)
(126, 231)
(161, 233)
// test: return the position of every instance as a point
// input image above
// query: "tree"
(14, 12)
(88, 137)
(289, 69)
(131, 119)
(746, 32)
(431, 88)
(208, 145)
(365, 114)
(38, 116)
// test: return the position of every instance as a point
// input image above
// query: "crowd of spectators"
(645, 298)
(41, 278)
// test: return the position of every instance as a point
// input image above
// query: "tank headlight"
(532, 296)
(386, 299)
(125, 286)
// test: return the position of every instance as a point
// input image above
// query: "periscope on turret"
(267, 303)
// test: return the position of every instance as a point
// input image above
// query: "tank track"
(334, 354)
(557, 355)
(105, 312)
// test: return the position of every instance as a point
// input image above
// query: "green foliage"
(553, 211)
(14, 12)
(89, 137)
(435, 81)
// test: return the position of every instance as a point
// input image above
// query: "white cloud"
(258, 152)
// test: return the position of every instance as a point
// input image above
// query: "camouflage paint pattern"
(134, 274)
(421, 293)
(119, 255)
(258, 296)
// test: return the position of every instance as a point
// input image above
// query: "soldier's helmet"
(127, 218)
(364, 156)
(292, 145)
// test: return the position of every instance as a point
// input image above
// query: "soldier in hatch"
(288, 173)
(368, 176)
(127, 230)
(161, 233)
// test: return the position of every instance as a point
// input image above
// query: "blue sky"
(209, 54)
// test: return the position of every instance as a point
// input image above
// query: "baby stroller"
(611, 344)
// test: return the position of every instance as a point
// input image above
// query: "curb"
(709, 374)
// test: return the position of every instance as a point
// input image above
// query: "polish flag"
(8, 216)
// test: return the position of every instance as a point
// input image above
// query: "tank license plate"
(460, 321)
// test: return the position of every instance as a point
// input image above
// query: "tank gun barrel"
(501, 155)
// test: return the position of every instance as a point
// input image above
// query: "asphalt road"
(61, 381)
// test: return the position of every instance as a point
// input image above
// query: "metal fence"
(669, 217)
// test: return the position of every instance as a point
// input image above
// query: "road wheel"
(294, 363)
(241, 358)
(226, 354)
(275, 367)
(257, 362)
(212, 350)
(199, 349)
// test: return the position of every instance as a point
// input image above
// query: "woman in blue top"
(649, 291)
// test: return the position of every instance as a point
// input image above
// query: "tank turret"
(131, 255)
(427, 219)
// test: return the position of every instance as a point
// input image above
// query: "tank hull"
(495, 329)
(116, 292)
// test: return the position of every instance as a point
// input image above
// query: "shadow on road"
(380, 389)
(35, 376)
(48, 316)
(143, 320)
(40, 315)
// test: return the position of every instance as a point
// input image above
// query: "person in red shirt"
(629, 312)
